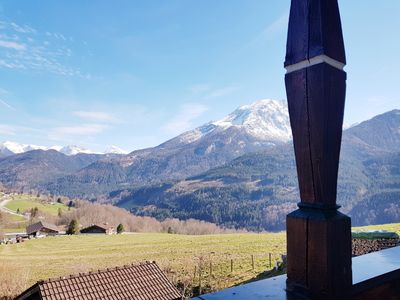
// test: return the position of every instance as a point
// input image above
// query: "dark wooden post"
(318, 235)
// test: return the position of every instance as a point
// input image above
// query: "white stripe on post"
(315, 61)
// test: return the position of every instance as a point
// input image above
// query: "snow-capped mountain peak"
(9, 148)
(19, 148)
(73, 150)
(56, 147)
(115, 150)
(265, 120)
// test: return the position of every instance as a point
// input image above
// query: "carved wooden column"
(318, 236)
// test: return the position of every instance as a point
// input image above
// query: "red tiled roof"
(144, 281)
(40, 225)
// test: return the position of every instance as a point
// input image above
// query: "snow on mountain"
(266, 120)
(4, 151)
(19, 148)
(348, 126)
(115, 150)
(9, 148)
(56, 147)
(73, 150)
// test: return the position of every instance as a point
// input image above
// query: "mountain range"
(9, 148)
(188, 154)
(237, 171)
(257, 190)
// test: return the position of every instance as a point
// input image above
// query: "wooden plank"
(296, 225)
(296, 89)
(326, 88)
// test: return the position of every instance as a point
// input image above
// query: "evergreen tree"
(73, 227)
(120, 228)
(34, 212)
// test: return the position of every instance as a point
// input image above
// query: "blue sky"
(133, 74)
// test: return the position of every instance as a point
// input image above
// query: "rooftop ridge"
(99, 271)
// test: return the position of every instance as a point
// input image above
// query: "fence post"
(270, 261)
(252, 261)
(231, 265)
(199, 280)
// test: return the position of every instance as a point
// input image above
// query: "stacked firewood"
(364, 246)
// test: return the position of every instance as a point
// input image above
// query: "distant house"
(144, 281)
(99, 228)
(42, 229)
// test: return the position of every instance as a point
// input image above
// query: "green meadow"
(25, 203)
(194, 260)
(204, 260)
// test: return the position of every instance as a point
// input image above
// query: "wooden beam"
(319, 237)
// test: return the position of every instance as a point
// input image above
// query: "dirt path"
(4, 199)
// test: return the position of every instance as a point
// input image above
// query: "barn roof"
(102, 226)
(143, 281)
(40, 225)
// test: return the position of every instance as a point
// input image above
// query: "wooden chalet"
(99, 229)
(144, 281)
(42, 229)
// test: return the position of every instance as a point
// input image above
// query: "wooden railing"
(376, 276)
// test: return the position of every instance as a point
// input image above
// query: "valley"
(180, 256)
(225, 172)
(210, 150)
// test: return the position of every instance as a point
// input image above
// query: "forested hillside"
(226, 172)
(257, 190)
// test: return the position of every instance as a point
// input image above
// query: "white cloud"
(46, 52)
(277, 27)
(59, 36)
(7, 129)
(206, 91)
(12, 45)
(199, 88)
(3, 91)
(183, 121)
(23, 28)
(84, 129)
(272, 30)
(4, 103)
(95, 116)
(11, 65)
(221, 92)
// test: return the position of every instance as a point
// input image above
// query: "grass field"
(389, 227)
(15, 218)
(26, 202)
(178, 255)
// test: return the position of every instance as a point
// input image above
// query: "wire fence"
(209, 273)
